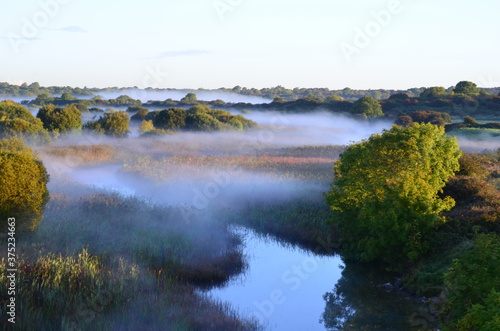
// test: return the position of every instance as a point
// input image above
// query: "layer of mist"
(147, 95)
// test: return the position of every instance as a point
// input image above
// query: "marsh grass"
(54, 288)
(81, 155)
(280, 165)
(104, 261)
(97, 255)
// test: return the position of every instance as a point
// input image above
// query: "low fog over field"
(186, 179)
(147, 95)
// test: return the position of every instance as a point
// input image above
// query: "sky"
(361, 44)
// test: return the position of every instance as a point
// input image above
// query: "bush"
(430, 116)
(146, 126)
(17, 121)
(141, 114)
(433, 92)
(190, 99)
(470, 120)
(404, 121)
(472, 280)
(385, 192)
(113, 124)
(82, 107)
(484, 316)
(23, 186)
(368, 107)
(200, 121)
(472, 165)
(170, 119)
(57, 119)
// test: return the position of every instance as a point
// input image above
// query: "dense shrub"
(385, 192)
(367, 107)
(112, 124)
(471, 281)
(23, 186)
(170, 119)
(57, 119)
(17, 121)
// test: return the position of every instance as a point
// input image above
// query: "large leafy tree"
(385, 192)
(190, 99)
(368, 107)
(170, 119)
(17, 121)
(114, 124)
(433, 92)
(57, 119)
(467, 88)
(23, 186)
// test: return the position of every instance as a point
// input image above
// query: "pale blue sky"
(253, 43)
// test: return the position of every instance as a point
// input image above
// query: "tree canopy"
(23, 186)
(190, 99)
(468, 88)
(58, 119)
(114, 124)
(17, 121)
(385, 192)
(474, 285)
(368, 107)
(433, 92)
(170, 119)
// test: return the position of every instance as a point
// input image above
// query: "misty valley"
(187, 214)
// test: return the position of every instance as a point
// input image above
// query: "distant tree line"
(464, 99)
(34, 89)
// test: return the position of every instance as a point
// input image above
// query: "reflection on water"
(283, 286)
(287, 288)
(359, 301)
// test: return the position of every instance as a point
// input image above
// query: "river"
(289, 288)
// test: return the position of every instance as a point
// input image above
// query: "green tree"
(17, 121)
(469, 120)
(190, 99)
(467, 88)
(23, 186)
(57, 119)
(141, 114)
(67, 97)
(385, 192)
(170, 119)
(470, 281)
(333, 98)
(112, 124)
(146, 126)
(200, 121)
(433, 92)
(485, 316)
(368, 107)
